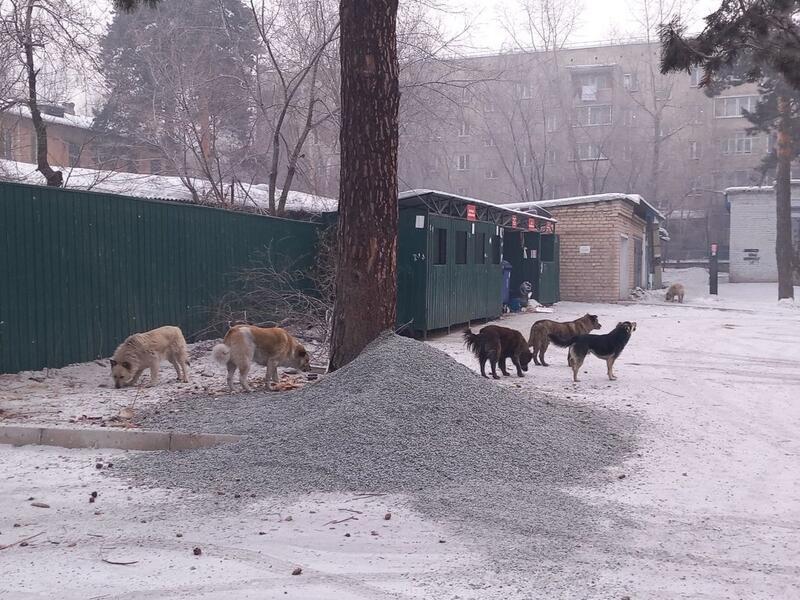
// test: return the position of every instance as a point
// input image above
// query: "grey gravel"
(406, 418)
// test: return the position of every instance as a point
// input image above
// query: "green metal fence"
(80, 271)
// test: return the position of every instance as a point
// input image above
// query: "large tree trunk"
(54, 178)
(783, 203)
(366, 278)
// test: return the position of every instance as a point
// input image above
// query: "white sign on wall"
(420, 224)
(584, 249)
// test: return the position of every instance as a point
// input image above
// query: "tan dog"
(272, 347)
(142, 351)
(676, 291)
(545, 331)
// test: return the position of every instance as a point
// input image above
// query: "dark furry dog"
(545, 331)
(608, 346)
(496, 344)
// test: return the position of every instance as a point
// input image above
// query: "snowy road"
(709, 507)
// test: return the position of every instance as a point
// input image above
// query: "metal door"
(412, 262)
(549, 269)
(440, 260)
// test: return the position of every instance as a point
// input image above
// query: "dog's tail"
(473, 341)
(561, 341)
(221, 353)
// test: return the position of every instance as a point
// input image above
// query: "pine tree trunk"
(366, 278)
(783, 204)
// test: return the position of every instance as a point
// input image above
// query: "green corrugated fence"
(80, 271)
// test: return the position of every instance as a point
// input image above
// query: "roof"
(409, 196)
(591, 66)
(253, 197)
(634, 199)
(752, 189)
(78, 121)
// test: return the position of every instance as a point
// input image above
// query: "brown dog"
(676, 291)
(272, 347)
(545, 331)
(496, 344)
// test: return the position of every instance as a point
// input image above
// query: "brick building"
(752, 235)
(72, 142)
(607, 245)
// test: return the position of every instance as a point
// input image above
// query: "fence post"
(713, 271)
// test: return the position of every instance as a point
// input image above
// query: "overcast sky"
(600, 19)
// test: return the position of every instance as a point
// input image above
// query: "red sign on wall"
(548, 227)
(531, 224)
(513, 220)
(472, 214)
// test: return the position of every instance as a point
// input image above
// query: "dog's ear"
(126, 365)
(301, 352)
(633, 326)
(113, 362)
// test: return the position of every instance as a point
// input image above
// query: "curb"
(19, 435)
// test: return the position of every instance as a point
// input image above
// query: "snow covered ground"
(708, 508)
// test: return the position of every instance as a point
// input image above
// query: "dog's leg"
(493, 363)
(231, 371)
(542, 350)
(136, 376)
(515, 360)
(483, 360)
(503, 368)
(244, 370)
(176, 365)
(536, 347)
(154, 368)
(610, 364)
(575, 363)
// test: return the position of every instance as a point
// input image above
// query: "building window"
(699, 115)
(488, 142)
(491, 174)
(551, 156)
(155, 166)
(480, 248)
(630, 81)
(594, 115)
(489, 107)
(464, 129)
(466, 95)
(694, 77)
(440, 246)
(589, 151)
(525, 90)
(525, 159)
(551, 123)
(732, 106)
(552, 191)
(772, 143)
(598, 81)
(74, 154)
(694, 152)
(462, 191)
(34, 146)
(132, 166)
(462, 162)
(461, 247)
(741, 143)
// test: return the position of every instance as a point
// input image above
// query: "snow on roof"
(163, 187)
(79, 121)
(756, 188)
(636, 199)
(508, 207)
(592, 66)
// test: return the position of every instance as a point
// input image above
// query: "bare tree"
(47, 36)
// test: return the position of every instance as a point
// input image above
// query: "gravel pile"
(402, 418)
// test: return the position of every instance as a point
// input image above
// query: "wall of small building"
(590, 238)
(752, 237)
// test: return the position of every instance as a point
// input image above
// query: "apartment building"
(542, 125)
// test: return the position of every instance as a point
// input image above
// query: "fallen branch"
(358, 512)
(30, 537)
(341, 521)
(114, 562)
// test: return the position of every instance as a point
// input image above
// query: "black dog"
(496, 344)
(608, 346)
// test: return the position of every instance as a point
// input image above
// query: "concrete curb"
(120, 439)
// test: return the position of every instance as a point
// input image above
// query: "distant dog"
(608, 346)
(272, 347)
(545, 331)
(496, 344)
(676, 291)
(146, 351)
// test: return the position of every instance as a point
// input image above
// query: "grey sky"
(600, 19)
